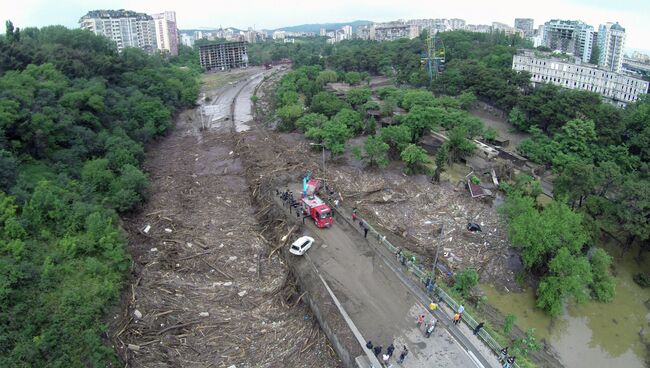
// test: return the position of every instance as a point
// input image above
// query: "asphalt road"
(382, 307)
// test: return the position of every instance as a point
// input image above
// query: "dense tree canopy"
(74, 116)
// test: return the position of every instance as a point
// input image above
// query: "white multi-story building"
(571, 73)
(348, 31)
(611, 43)
(456, 23)
(395, 30)
(569, 36)
(187, 40)
(480, 28)
(166, 32)
(496, 26)
(126, 28)
(279, 35)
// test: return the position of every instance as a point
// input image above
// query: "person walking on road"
(369, 345)
(461, 309)
(377, 350)
(430, 329)
(420, 320)
(503, 355)
(510, 362)
(365, 232)
(456, 318)
(403, 355)
(478, 327)
(385, 358)
(390, 349)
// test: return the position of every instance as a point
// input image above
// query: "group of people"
(362, 223)
(429, 327)
(390, 350)
(507, 361)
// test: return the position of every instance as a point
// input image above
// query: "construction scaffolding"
(223, 56)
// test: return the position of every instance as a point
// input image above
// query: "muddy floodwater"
(592, 334)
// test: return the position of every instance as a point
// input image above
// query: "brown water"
(592, 334)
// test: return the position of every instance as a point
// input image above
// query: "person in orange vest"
(456, 318)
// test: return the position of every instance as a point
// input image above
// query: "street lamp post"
(435, 260)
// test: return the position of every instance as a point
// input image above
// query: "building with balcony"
(124, 27)
(166, 32)
(569, 36)
(611, 43)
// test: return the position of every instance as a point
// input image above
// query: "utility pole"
(323, 147)
(435, 260)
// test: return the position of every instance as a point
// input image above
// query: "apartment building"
(124, 27)
(611, 44)
(570, 72)
(526, 25)
(395, 30)
(570, 36)
(166, 32)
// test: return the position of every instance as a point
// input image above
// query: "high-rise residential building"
(322, 32)
(166, 32)
(569, 36)
(527, 25)
(571, 72)
(611, 42)
(348, 31)
(126, 28)
(187, 40)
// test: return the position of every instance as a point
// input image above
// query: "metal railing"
(424, 278)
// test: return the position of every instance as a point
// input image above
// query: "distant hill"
(328, 26)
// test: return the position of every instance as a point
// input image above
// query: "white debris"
(190, 245)
(252, 269)
(231, 152)
(133, 347)
(228, 283)
(204, 314)
(168, 230)
(221, 245)
(137, 314)
(154, 249)
(232, 258)
(146, 229)
(242, 293)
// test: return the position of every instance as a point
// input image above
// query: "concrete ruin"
(224, 56)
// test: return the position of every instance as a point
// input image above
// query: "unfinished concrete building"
(223, 56)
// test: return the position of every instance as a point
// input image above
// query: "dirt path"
(204, 291)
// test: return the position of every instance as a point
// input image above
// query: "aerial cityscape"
(264, 185)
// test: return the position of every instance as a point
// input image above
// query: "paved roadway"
(381, 305)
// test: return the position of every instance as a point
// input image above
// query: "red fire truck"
(317, 210)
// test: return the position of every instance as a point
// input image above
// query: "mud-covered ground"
(206, 290)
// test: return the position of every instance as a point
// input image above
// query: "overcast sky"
(634, 15)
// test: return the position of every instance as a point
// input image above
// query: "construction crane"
(434, 56)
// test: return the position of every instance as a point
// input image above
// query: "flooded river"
(592, 334)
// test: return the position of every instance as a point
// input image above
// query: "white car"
(300, 246)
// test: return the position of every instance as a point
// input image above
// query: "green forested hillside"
(74, 117)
